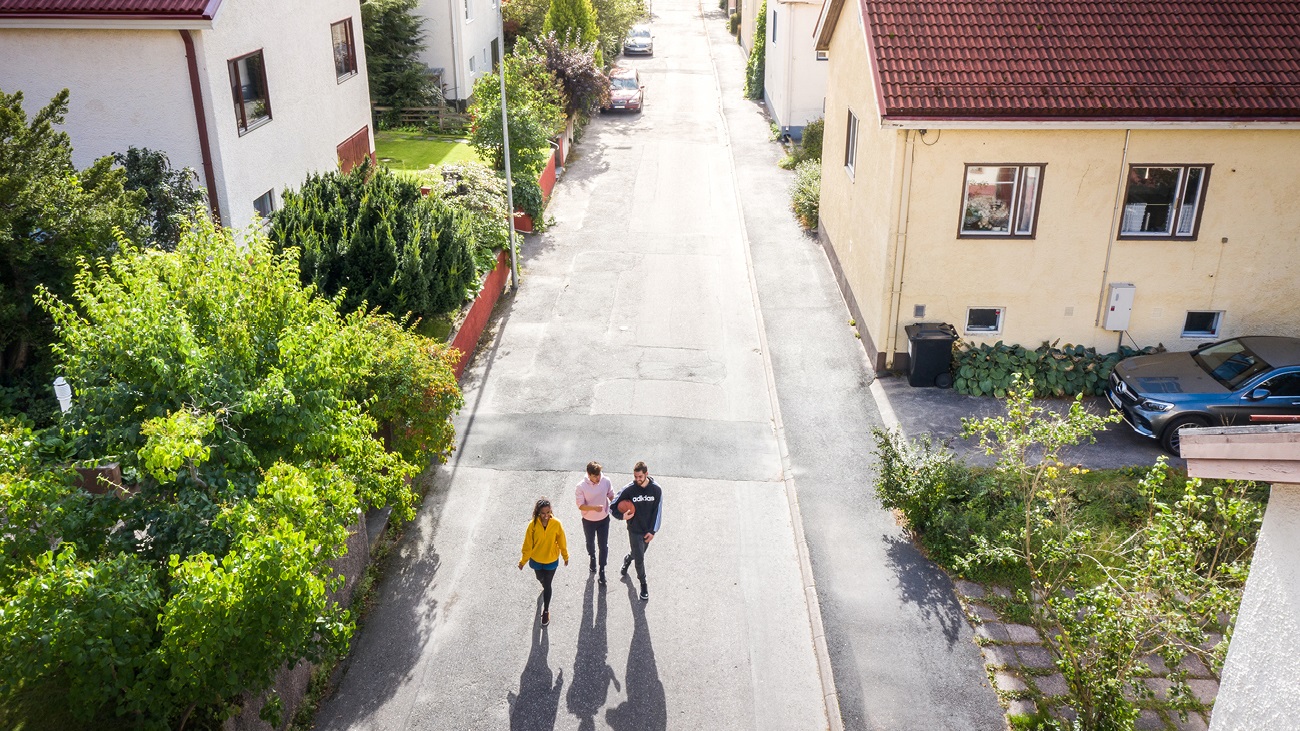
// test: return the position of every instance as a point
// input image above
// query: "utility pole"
(505, 150)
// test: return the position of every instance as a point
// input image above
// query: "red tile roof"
(108, 8)
(1119, 59)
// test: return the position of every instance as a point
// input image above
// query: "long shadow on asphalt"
(534, 707)
(646, 706)
(927, 586)
(592, 674)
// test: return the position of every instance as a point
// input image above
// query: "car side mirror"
(1258, 394)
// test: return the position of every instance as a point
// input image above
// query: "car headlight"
(1152, 405)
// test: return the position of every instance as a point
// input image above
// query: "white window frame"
(1020, 198)
(1001, 313)
(823, 55)
(851, 144)
(1203, 334)
(472, 59)
(1185, 219)
(269, 196)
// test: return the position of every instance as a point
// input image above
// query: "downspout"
(455, 57)
(1114, 228)
(201, 117)
(789, 69)
(900, 250)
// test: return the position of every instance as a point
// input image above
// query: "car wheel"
(1169, 438)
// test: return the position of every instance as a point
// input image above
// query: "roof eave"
(115, 21)
(1086, 122)
(826, 22)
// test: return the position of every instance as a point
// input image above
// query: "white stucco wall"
(451, 41)
(311, 111)
(1260, 689)
(795, 81)
(128, 88)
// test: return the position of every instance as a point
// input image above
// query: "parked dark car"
(1223, 383)
(639, 41)
(625, 90)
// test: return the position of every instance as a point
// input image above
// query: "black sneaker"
(593, 564)
(645, 593)
(627, 561)
(546, 618)
(601, 580)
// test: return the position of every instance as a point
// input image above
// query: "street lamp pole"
(505, 149)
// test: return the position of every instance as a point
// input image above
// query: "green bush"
(987, 370)
(734, 20)
(806, 193)
(479, 193)
(369, 236)
(810, 144)
(755, 68)
(575, 22)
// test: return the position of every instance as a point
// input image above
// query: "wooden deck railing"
(440, 118)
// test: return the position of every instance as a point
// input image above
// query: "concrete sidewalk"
(902, 652)
(633, 337)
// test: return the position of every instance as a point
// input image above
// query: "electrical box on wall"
(1119, 306)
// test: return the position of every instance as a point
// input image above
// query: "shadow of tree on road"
(922, 583)
(646, 706)
(534, 707)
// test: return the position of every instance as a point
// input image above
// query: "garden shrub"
(575, 22)
(810, 144)
(806, 193)
(370, 237)
(755, 67)
(171, 196)
(734, 21)
(988, 370)
(574, 66)
(479, 193)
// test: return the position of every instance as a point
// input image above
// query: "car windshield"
(1230, 362)
(623, 82)
(640, 33)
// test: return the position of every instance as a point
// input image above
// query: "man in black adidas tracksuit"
(647, 499)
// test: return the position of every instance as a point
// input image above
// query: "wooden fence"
(440, 118)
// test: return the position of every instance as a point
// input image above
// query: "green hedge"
(986, 370)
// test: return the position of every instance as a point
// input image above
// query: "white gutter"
(106, 23)
(900, 250)
(1043, 124)
(1120, 191)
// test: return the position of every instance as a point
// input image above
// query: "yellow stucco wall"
(1051, 286)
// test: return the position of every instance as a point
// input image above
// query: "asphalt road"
(634, 336)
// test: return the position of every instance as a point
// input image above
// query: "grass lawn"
(403, 150)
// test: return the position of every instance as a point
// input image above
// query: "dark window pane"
(1201, 323)
(1149, 202)
(1028, 200)
(989, 195)
(1191, 201)
(248, 81)
(1287, 386)
(265, 203)
(1230, 362)
(345, 59)
(983, 319)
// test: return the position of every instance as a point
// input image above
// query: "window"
(469, 13)
(1286, 385)
(823, 55)
(851, 144)
(248, 85)
(472, 59)
(1163, 201)
(774, 26)
(265, 204)
(345, 50)
(983, 320)
(1202, 324)
(1000, 200)
(1231, 363)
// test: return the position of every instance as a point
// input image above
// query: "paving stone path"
(1024, 672)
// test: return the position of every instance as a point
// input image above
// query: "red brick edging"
(471, 329)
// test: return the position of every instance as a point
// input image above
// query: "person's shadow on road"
(646, 707)
(535, 706)
(592, 674)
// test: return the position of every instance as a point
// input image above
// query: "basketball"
(626, 505)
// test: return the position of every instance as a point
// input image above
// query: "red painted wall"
(467, 336)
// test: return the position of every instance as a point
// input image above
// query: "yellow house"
(1094, 172)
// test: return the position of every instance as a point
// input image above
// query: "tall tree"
(574, 21)
(394, 39)
(171, 196)
(615, 18)
(51, 214)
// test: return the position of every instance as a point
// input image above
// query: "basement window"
(1202, 324)
(984, 320)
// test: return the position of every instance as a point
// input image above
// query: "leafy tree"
(51, 214)
(615, 18)
(171, 196)
(574, 66)
(755, 68)
(394, 37)
(370, 238)
(479, 193)
(575, 22)
(522, 19)
(243, 410)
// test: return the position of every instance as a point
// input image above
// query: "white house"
(252, 94)
(794, 80)
(461, 42)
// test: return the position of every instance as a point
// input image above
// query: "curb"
(830, 696)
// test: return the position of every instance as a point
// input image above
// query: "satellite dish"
(63, 392)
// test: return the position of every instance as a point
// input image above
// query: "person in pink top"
(593, 495)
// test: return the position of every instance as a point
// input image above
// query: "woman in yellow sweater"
(544, 543)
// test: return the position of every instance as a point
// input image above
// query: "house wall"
(116, 101)
(795, 81)
(857, 210)
(748, 19)
(311, 111)
(1051, 287)
(451, 41)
